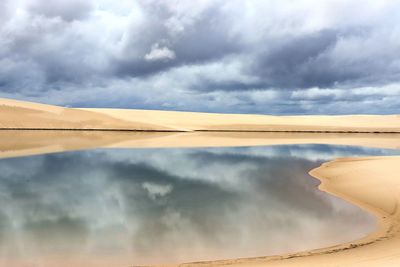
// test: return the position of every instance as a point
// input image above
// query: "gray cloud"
(206, 56)
(204, 38)
(291, 63)
(67, 10)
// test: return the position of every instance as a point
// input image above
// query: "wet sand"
(14, 143)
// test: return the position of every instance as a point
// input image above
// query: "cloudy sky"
(276, 57)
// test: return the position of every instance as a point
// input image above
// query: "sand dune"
(26, 115)
(192, 121)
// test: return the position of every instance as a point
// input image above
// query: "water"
(148, 206)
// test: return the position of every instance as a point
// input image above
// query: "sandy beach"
(26, 115)
(371, 183)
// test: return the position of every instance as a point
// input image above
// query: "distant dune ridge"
(27, 115)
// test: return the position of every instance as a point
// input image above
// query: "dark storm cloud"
(160, 54)
(207, 38)
(285, 63)
(41, 59)
(310, 61)
(292, 63)
(51, 50)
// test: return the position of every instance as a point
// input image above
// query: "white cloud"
(158, 53)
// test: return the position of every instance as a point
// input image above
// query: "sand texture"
(26, 115)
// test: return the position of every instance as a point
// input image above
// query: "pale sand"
(20, 114)
(193, 121)
(27, 115)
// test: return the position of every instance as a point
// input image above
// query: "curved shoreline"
(358, 181)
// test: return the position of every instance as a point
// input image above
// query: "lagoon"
(122, 207)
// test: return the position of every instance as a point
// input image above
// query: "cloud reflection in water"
(149, 206)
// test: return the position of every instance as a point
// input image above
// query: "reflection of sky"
(167, 205)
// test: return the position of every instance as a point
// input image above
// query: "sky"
(232, 56)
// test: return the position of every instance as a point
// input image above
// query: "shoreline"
(200, 131)
(24, 143)
(338, 178)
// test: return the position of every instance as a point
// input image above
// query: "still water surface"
(148, 206)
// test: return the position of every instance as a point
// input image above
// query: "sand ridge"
(194, 121)
(27, 115)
